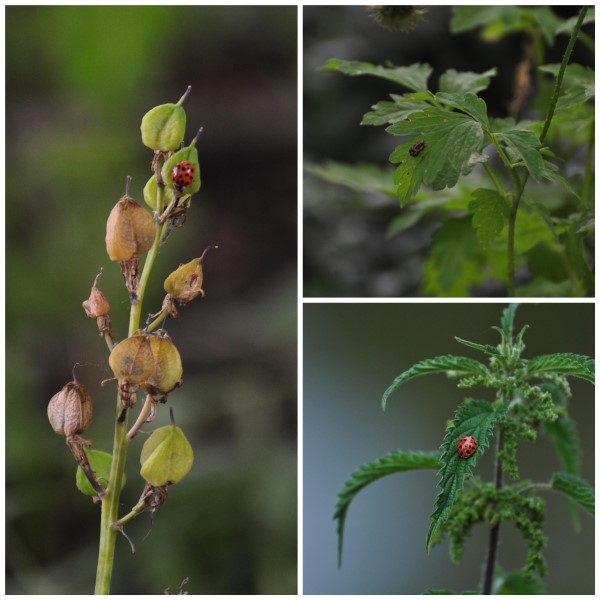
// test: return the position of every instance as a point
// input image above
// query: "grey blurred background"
(352, 352)
(78, 81)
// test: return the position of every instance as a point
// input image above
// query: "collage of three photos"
(370, 374)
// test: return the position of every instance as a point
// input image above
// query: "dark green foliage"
(578, 490)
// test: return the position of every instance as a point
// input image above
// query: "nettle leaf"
(486, 348)
(475, 418)
(575, 488)
(507, 322)
(394, 462)
(451, 139)
(525, 145)
(455, 366)
(518, 583)
(385, 112)
(360, 177)
(490, 214)
(461, 82)
(564, 363)
(413, 77)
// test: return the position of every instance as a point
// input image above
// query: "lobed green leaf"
(525, 145)
(563, 363)
(457, 366)
(475, 418)
(394, 462)
(413, 77)
(486, 348)
(461, 82)
(577, 489)
(360, 177)
(385, 112)
(490, 214)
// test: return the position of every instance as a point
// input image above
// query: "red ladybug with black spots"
(182, 175)
(466, 446)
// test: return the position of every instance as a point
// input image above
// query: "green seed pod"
(163, 127)
(132, 360)
(100, 462)
(185, 155)
(150, 195)
(167, 366)
(130, 230)
(185, 283)
(70, 410)
(166, 456)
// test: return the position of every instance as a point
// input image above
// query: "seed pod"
(130, 230)
(100, 463)
(150, 195)
(132, 360)
(163, 127)
(187, 155)
(70, 410)
(96, 305)
(185, 283)
(167, 366)
(166, 456)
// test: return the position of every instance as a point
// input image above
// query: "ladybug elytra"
(466, 446)
(182, 174)
(417, 148)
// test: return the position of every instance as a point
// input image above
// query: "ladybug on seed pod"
(466, 446)
(182, 175)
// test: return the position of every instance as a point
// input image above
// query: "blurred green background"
(352, 353)
(78, 80)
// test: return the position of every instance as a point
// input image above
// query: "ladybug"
(182, 174)
(417, 148)
(466, 446)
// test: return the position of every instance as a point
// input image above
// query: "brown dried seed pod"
(168, 369)
(132, 360)
(130, 230)
(185, 283)
(96, 305)
(70, 410)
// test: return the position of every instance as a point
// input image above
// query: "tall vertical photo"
(151, 300)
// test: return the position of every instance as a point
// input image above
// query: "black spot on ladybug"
(416, 149)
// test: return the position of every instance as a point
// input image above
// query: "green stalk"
(512, 219)
(110, 501)
(586, 187)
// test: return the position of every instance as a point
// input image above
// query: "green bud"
(150, 195)
(100, 462)
(188, 154)
(166, 456)
(163, 127)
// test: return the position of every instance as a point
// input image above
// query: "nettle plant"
(531, 395)
(514, 196)
(146, 361)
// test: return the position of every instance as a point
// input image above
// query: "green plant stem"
(110, 501)
(586, 186)
(488, 578)
(497, 183)
(520, 187)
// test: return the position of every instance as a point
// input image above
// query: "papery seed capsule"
(96, 305)
(185, 283)
(166, 456)
(132, 360)
(163, 127)
(189, 156)
(70, 410)
(167, 366)
(150, 195)
(130, 230)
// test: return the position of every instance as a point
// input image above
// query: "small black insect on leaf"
(417, 148)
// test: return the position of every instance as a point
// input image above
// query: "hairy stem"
(521, 185)
(488, 578)
(110, 501)
(586, 187)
